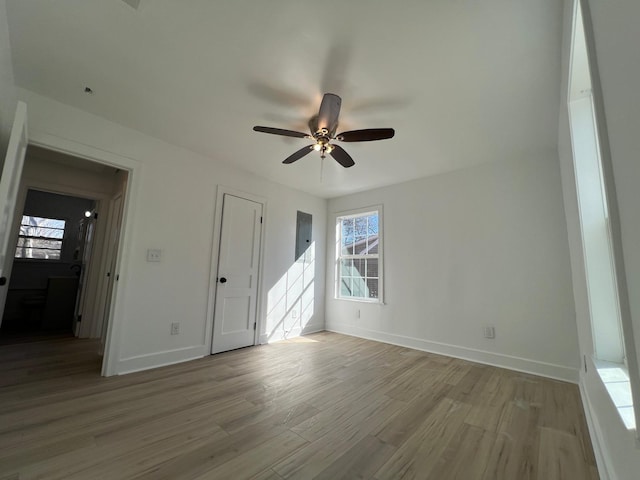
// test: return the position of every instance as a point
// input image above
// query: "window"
(40, 238)
(594, 195)
(359, 262)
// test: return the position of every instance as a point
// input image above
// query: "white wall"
(616, 38)
(480, 246)
(173, 210)
(8, 99)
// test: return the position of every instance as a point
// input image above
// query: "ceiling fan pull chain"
(322, 169)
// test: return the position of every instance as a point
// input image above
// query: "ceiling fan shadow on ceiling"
(323, 127)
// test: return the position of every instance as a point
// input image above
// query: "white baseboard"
(602, 460)
(160, 359)
(549, 370)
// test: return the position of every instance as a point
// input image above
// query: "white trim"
(161, 359)
(603, 461)
(602, 138)
(525, 365)
(357, 212)
(116, 315)
(215, 253)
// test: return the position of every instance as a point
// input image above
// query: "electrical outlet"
(489, 331)
(154, 255)
(175, 328)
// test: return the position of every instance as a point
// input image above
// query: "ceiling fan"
(323, 128)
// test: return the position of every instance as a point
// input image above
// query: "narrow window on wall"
(359, 256)
(40, 238)
(597, 239)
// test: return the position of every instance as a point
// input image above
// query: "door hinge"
(117, 277)
(79, 319)
(255, 324)
(95, 215)
(260, 219)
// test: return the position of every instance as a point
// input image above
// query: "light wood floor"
(324, 406)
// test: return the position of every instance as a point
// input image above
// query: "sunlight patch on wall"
(290, 302)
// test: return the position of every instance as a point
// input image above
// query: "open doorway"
(52, 254)
(67, 227)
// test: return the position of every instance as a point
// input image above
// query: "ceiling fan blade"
(329, 112)
(366, 135)
(342, 157)
(280, 131)
(298, 155)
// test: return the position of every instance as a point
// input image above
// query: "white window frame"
(339, 216)
(620, 376)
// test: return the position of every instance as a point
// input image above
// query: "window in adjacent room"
(40, 238)
(359, 256)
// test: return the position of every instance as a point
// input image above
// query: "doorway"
(68, 217)
(49, 273)
(238, 272)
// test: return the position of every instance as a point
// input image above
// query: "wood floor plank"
(418, 455)
(254, 462)
(321, 406)
(466, 455)
(362, 460)
(561, 456)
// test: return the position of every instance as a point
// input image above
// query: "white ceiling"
(462, 81)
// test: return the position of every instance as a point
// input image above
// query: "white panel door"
(237, 279)
(9, 185)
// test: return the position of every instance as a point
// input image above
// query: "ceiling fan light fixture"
(323, 130)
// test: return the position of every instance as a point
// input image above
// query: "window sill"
(615, 378)
(374, 301)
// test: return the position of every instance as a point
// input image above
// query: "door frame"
(47, 141)
(10, 178)
(215, 257)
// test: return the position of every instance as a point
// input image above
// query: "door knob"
(3, 281)
(223, 280)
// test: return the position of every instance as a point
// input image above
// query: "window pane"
(359, 266)
(39, 243)
(359, 288)
(360, 226)
(38, 253)
(360, 245)
(346, 236)
(372, 224)
(36, 231)
(372, 286)
(42, 222)
(345, 287)
(346, 268)
(372, 267)
(373, 245)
